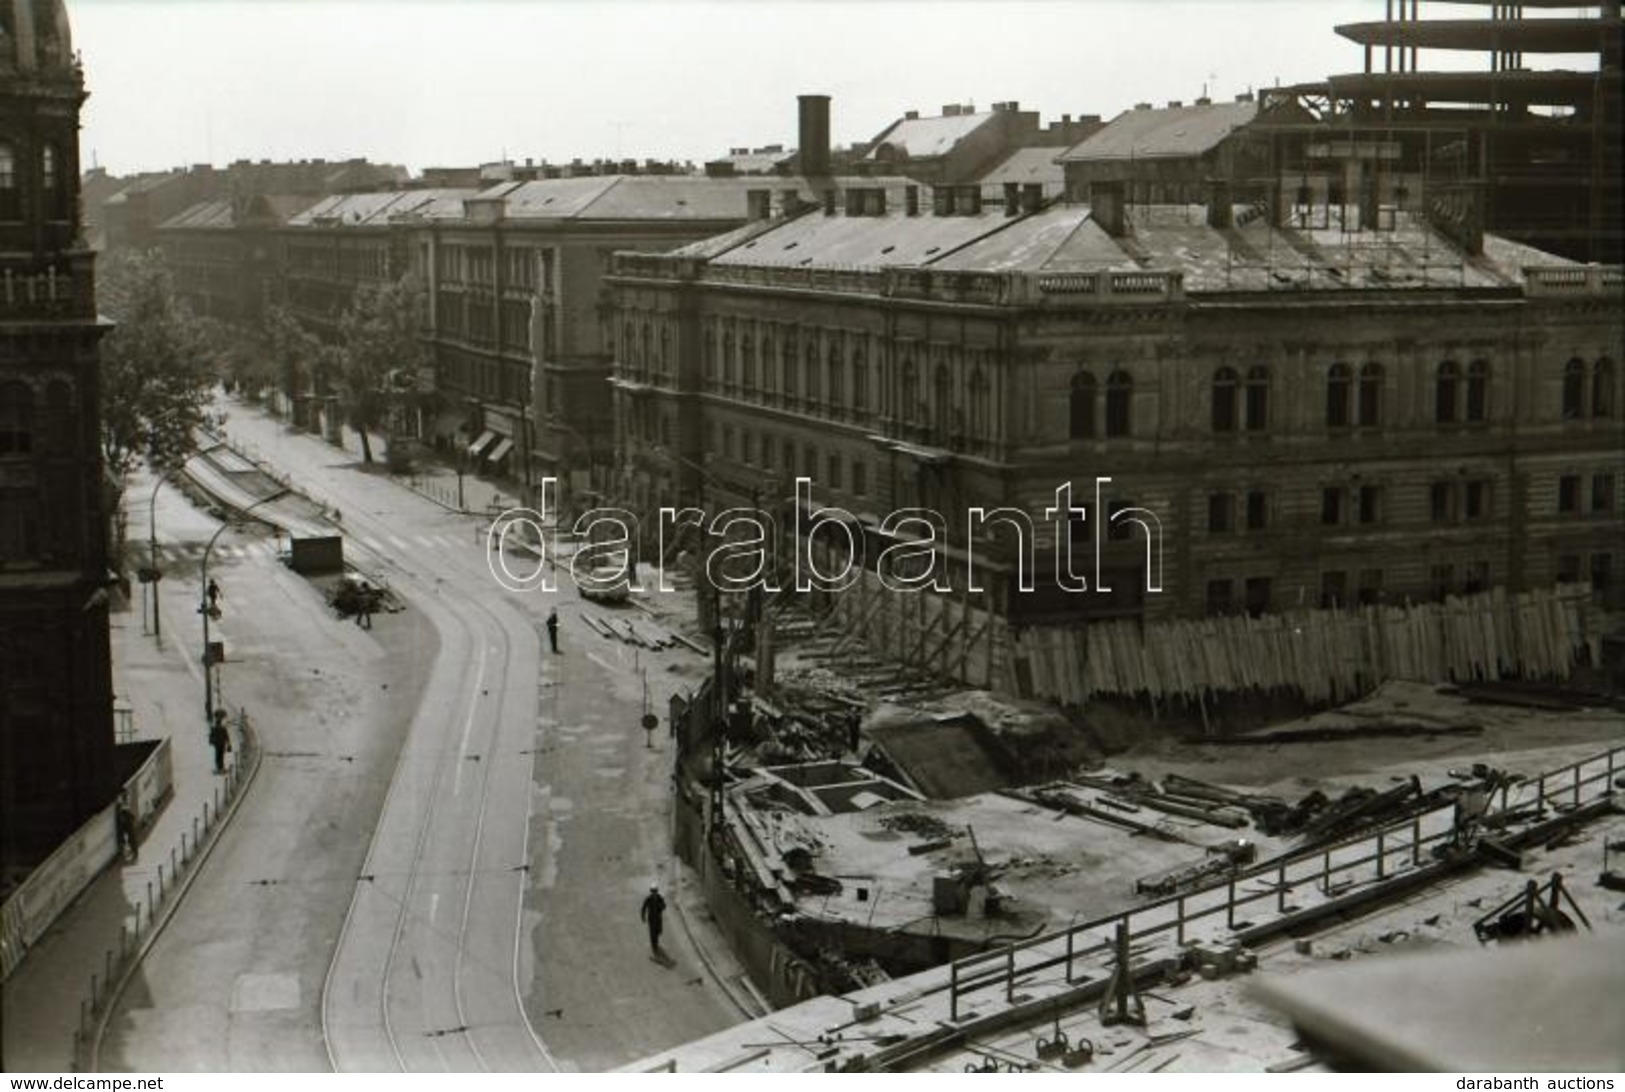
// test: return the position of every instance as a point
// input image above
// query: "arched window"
(1225, 382)
(942, 399)
(51, 183)
(1258, 398)
(711, 356)
(1478, 390)
(747, 355)
(1119, 404)
(1338, 386)
(56, 426)
(1602, 388)
(646, 348)
(16, 419)
(787, 369)
(1444, 393)
(730, 362)
(979, 396)
(629, 344)
(834, 378)
(1371, 396)
(10, 202)
(909, 410)
(1081, 417)
(767, 357)
(860, 379)
(665, 361)
(1574, 385)
(809, 372)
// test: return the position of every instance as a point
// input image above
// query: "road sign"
(650, 722)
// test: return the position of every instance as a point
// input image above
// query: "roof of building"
(760, 161)
(629, 197)
(1174, 131)
(923, 138)
(1253, 257)
(144, 183)
(1028, 165)
(263, 208)
(372, 209)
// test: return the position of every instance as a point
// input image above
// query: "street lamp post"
(204, 607)
(152, 552)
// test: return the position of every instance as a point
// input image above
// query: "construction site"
(917, 876)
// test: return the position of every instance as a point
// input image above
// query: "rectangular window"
(1442, 579)
(1258, 595)
(1442, 502)
(1477, 578)
(1331, 506)
(1257, 510)
(1370, 587)
(1568, 569)
(1602, 572)
(1477, 500)
(1219, 598)
(1118, 529)
(1568, 493)
(1602, 492)
(833, 465)
(1370, 504)
(1221, 513)
(1334, 592)
(860, 477)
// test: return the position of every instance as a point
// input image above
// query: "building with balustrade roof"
(1302, 415)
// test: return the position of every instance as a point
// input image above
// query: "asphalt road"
(493, 924)
(234, 982)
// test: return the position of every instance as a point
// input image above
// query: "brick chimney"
(814, 132)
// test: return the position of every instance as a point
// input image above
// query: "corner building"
(56, 708)
(1317, 418)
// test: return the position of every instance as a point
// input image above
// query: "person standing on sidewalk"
(124, 822)
(553, 628)
(220, 740)
(653, 907)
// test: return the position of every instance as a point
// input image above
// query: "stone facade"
(56, 704)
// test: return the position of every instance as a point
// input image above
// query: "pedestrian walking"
(124, 823)
(553, 628)
(214, 598)
(653, 907)
(220, 740)
(364, 604)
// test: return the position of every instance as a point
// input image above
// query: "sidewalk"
(45, 1001)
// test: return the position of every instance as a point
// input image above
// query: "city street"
(494, 923)
(234, 980)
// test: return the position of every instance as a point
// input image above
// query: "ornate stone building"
(56, 709)
(1312, 417)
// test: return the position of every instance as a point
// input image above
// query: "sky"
(460, 82)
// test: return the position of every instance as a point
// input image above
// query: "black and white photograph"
(621, 538)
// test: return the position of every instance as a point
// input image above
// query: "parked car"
(605, 583)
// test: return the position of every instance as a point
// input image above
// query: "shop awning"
(478, 447)
(500, 452)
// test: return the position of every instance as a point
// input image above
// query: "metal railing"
(1333, 869)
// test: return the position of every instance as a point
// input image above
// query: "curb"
(172, 904)
(754, 1005)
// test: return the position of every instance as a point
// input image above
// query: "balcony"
(35, 293)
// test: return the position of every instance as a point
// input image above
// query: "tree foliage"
(378, 356)
(156, 370)
(296, 353)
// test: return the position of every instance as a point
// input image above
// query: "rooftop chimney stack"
(814, 135)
